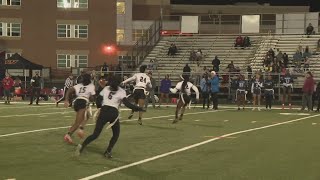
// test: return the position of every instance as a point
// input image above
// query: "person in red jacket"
(307, 90)
(7, 84)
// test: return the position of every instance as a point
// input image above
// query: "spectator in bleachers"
(318, 45)
(199, 55)
(239, 41)
(187, 70)
(300, 49)
(271, 52)
(172, 50)
(306, 64)
(279, 57)
(285, 60)
(307, 53)
(246, 41)
(297, 58)
(231, 67)
(193, 56)
(206, 70)
(309, 29)
(249, 71)
(216, 64)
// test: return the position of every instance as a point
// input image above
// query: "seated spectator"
(285, 60)
(306, 64)
(246, 41)
(216, 64)
(307, 53)
(297, 58)
(187, 70)
(193, 56)
(279, 56)
(199, 55)
(231, 67)
(239, 41)
(271, 52)
(309, 29)
(172, 50)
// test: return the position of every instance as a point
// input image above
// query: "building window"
(72, 31)
(10, 29)
(10, 2)
(121, 8)
(72, 4)
(139, 33)
(72, 60)
(120, 35)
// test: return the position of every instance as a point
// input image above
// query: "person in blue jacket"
(214, 81)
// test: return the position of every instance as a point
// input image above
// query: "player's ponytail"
(86, 79)
(185, 83)
(114, 83)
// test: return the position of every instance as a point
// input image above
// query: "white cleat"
(78, 150)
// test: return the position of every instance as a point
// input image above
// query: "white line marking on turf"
(225, 120)
(294, 114)
(197, 120)
(128, 120)
(190, 147)
(253, 121)
(314, 123)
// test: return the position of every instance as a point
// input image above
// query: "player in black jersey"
(256, 92)
(268, 91)
(241, 92)
(287, 87)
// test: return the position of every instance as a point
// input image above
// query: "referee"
(68, 84)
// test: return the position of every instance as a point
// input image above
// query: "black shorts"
(139, 94)
(268, 92)
(287, 90)
(185, 98)
(241, 92)
(80, 104)
(108, 114)
(256, 91)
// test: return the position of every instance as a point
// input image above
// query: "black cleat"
(238, 108)
(130, 116)
(175, 121)
(108, 155)
(140, 121)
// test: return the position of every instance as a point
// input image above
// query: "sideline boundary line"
(128, 120)
(190, 147)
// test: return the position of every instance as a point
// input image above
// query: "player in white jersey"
(109, 101)
(142, 81)
(184, 97)
(84, 92)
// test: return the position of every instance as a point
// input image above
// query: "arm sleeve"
(130, 79)
(196, 90)
(131, 106)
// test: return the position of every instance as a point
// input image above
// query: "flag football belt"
(241, 90)
(288, 85)
(88, 109)
(142, 88)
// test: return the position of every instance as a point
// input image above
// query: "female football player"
(184, 97)
(268, 91)
(241, 92)
(287, 87)
(109, 101)
(139, 92)
(256, 92)
(85, 92)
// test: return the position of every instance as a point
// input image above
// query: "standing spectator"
(239, 41)
(309, 29)
(187, 70)
(164, 90)
(198, 73)
(172, 50)
(307, 92)
(199, 55)
(67, 85)
(285, 60)
(7, 84)
(306, 64)
(216, 64)
(36, 83)
(318, 96)
(214, 89)
(246, 41)
(279, 57)
(205, 89)
(151, 92)
(249, 71)
(193, 56)
(104, 69)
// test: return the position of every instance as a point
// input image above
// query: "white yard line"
(190, 147)
(63, 127)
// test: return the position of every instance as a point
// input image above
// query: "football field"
(214, 145)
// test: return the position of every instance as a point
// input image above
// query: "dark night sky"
(314, 4)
